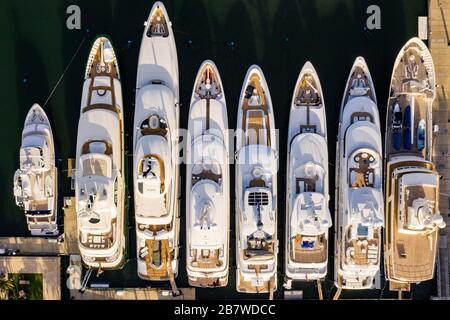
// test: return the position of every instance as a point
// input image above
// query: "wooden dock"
(132, 294)
(70, 226)
(439, 43)
(49, 267)
(33, 246)
(39, 246)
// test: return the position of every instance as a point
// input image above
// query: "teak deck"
(257, 117)
(408, 258)
(317, 255)
(161, 272)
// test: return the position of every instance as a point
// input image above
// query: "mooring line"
(65, 71)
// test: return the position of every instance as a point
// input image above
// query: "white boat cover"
(365, 208)
(362, 135)
(311, 215)
(206, 198)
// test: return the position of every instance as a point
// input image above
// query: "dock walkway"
(132, 294)
(439, 43)
(49, 267)
(65, 245)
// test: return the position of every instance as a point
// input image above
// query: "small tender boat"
(421, 135)
(397, 119)
(207, 182)
(256, 188)
(36, 180)
(307, 217)
(407, 117)
(99, 175)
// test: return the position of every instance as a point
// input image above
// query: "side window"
(116, 191)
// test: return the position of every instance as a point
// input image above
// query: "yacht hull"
(155, 140)
(307, 139)
(207, 182)
(256, 171)
(410, 245)
(41, 211)
(359, 201)
(100, 162)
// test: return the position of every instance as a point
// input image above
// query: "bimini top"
(153, 162)
(417, 205)
(34, 154)
(310, 214)
(365, 208)
(309, 159)
(207, 155)
(206, 200)
(35, 151)
(95, 191)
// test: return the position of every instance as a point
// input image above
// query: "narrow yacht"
(207, 182)
(99, 174)
(155, 143)
(412, 182)
(256, 188)
(36, 180)
(359, 201)
(308, 217)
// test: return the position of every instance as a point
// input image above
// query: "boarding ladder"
(173, 285)
(87, 275)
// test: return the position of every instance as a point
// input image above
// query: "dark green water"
(279, 35)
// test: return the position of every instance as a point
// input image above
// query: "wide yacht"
(413, 219)
(100, 171)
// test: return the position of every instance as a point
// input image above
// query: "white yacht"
(308, 217)
(155, 143)
(207, 182)
(99, 174)
(36, 180)
(413, 219)
(359, 215)
(256, 188)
